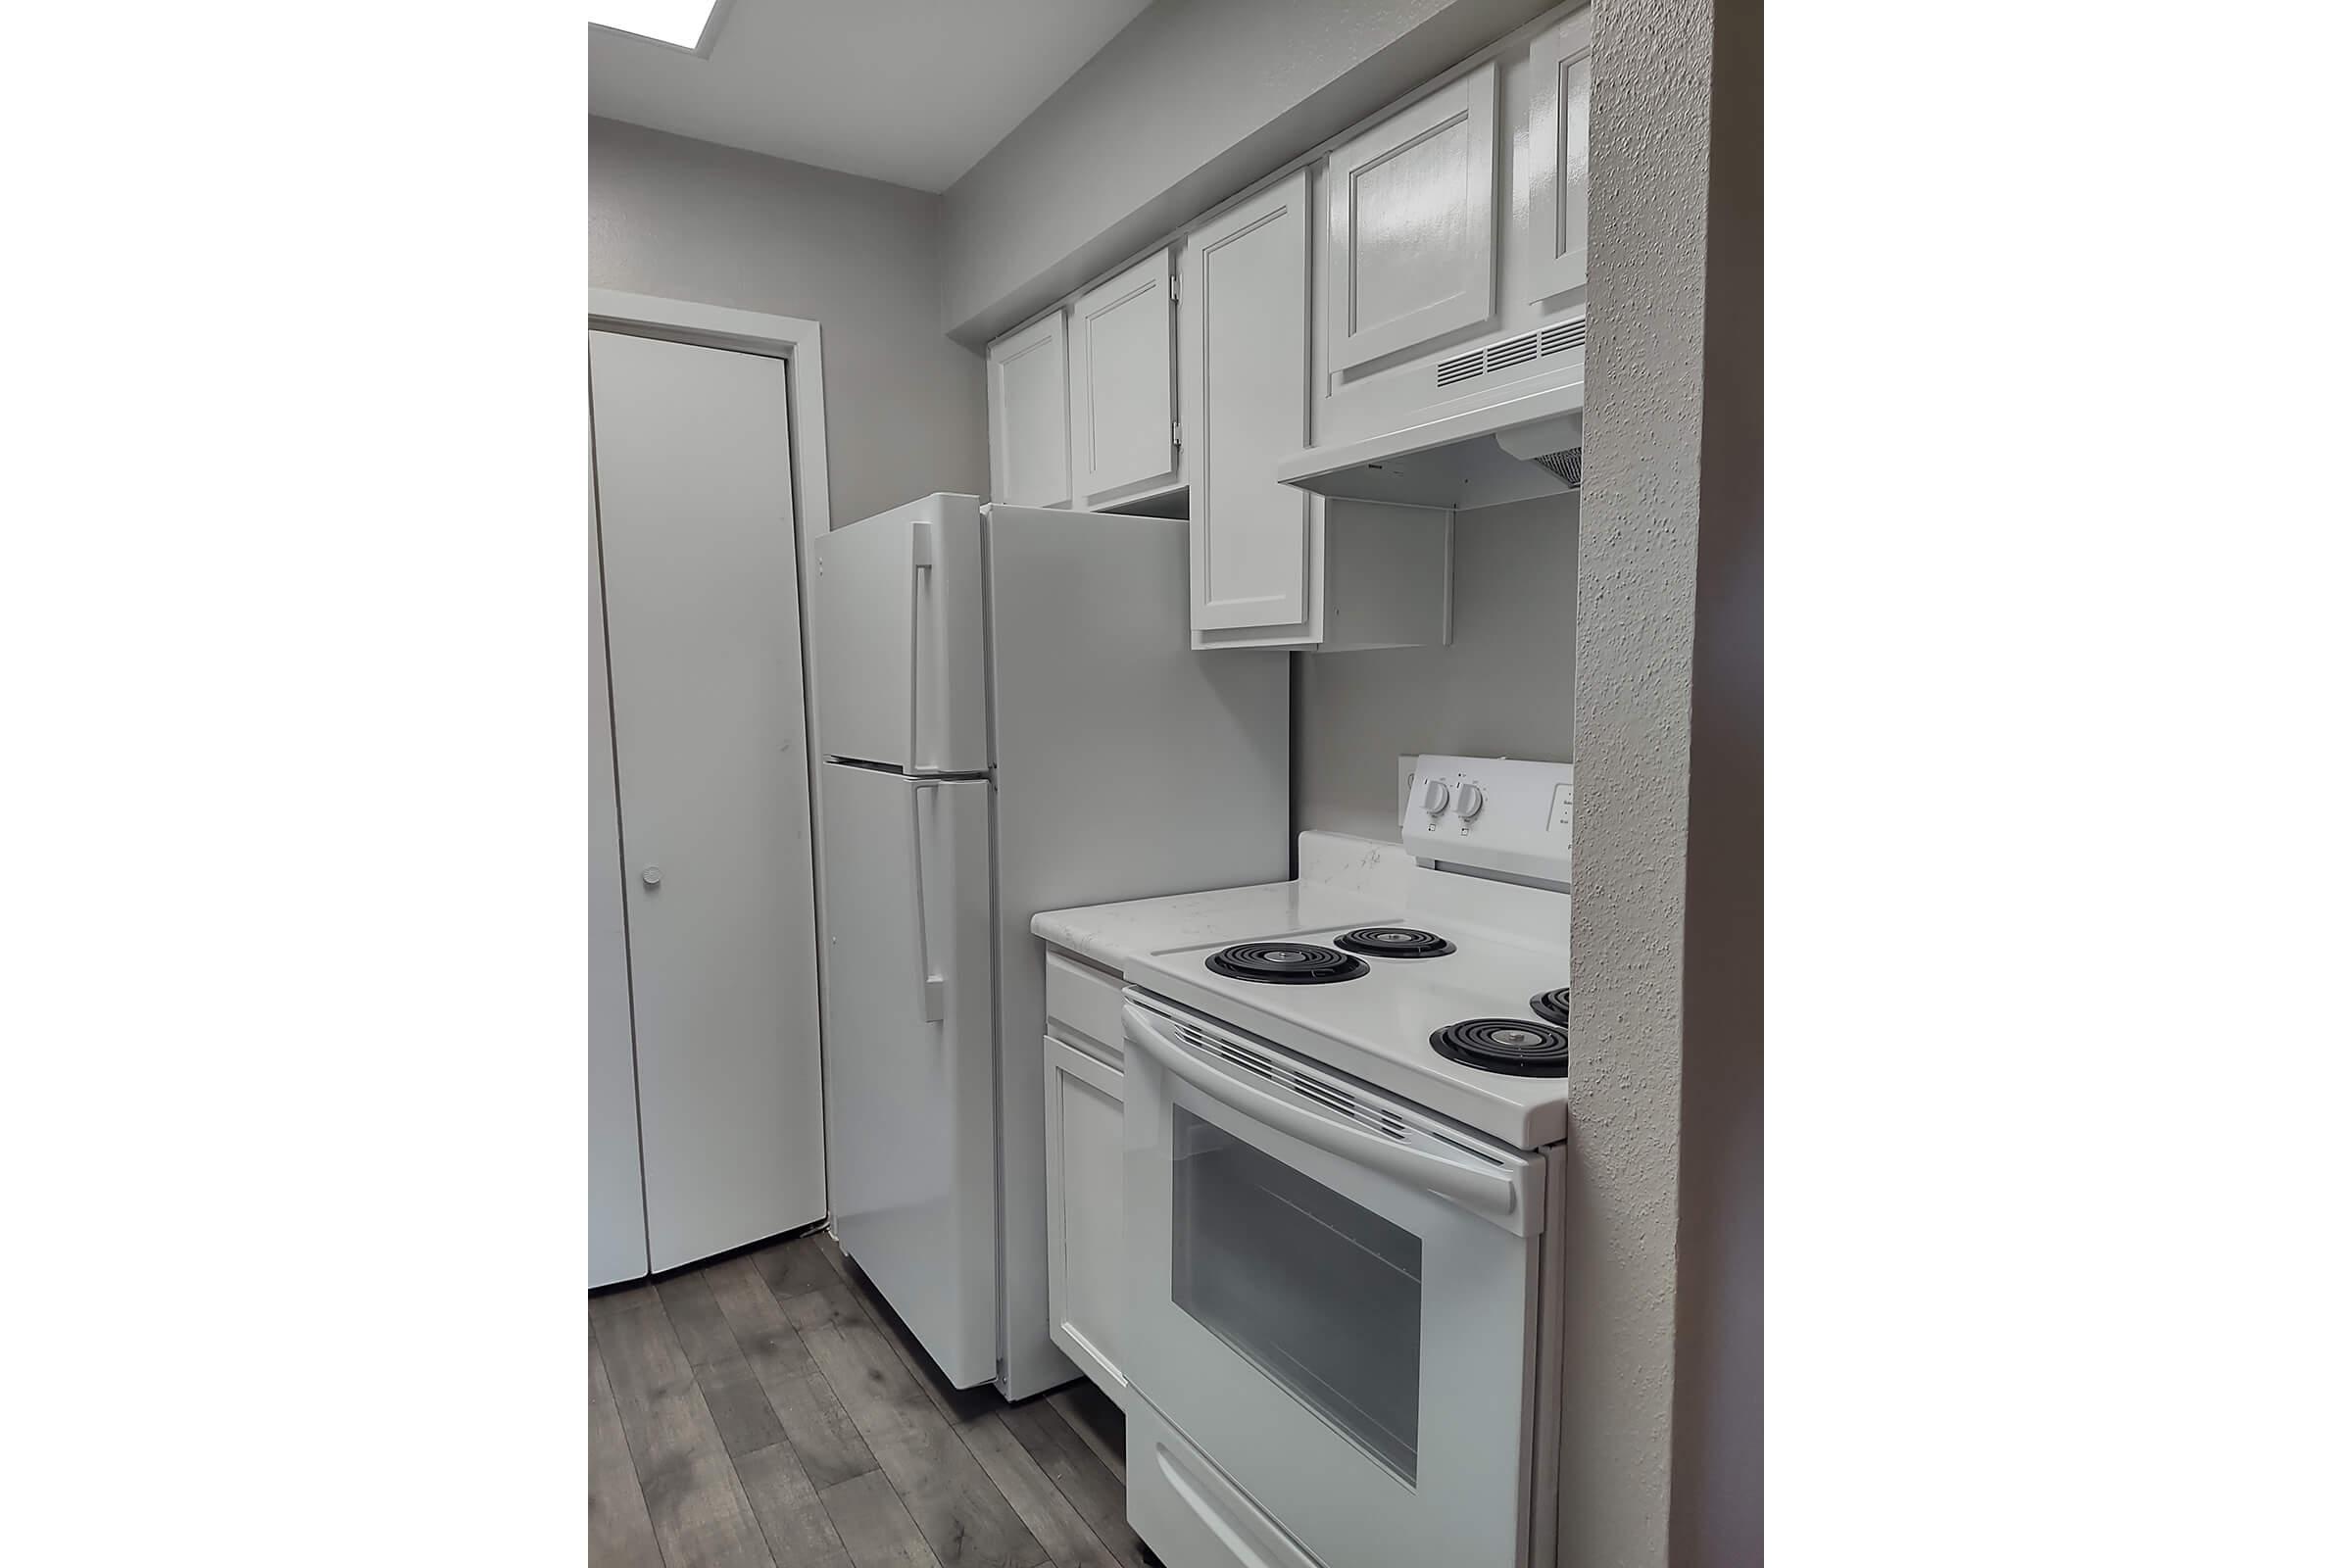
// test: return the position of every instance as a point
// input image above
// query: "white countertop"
(1342, 881)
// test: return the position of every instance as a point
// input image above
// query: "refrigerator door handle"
(921, 555)
(931, 990)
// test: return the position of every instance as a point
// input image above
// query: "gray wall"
(905, 409)
(1505, 687)
(1188, 105)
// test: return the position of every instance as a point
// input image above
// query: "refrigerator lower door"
(902, 641)
(911, 1053)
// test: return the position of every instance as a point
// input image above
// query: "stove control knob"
(1469, 801)
(1434, 796)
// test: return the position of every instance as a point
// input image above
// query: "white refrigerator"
(1012, 720)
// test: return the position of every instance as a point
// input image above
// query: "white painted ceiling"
(911, 91)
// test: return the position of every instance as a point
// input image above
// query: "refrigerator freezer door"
(911, 1053)
(901, 639)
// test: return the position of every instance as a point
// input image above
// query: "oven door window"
(1318, 1292)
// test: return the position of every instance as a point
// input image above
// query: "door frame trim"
(797, 342)
(800, 344)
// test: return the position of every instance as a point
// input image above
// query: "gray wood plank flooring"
(770, 1411)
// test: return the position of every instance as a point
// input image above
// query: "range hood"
(1514, 450)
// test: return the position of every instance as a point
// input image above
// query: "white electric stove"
(1341, 1178)
(1378, 1019)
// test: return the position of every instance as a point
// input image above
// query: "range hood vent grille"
(1565, 336)
(1567, 467)
(1555, 339)
(1462, 368)
(1514, 351)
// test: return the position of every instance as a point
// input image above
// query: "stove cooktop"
(1452, 1030)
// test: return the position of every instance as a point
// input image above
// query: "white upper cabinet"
(1470, 313)
(1559, 158)
(1122, 385)
(1412, 225)
(1244, 374)
(1272, 565)
(1029, 416)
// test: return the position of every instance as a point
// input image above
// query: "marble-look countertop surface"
(1342, 881)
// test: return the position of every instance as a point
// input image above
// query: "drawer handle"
(1209, 1514)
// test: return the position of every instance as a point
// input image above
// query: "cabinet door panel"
(1122, 422)
(1029, 416)
(1244, 382)
(1559, 151)
(1412, 225)
(1086, 1225)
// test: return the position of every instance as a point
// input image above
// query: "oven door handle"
(1486, 1191)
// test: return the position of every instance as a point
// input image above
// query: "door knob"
(652, 875)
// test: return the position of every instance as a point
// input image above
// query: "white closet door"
(694, 489)
(616, 1180)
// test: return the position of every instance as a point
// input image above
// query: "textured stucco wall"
(1718, 1513)
(1636, 624)
(1189, 104)
(1505, 686)
(906, 410)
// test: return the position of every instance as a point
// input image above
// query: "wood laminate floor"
(770, 1409)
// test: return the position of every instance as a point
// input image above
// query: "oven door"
(1334, 1297)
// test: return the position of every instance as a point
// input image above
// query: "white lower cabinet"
(1086, 1247)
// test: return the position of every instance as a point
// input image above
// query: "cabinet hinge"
(1176, 434)
(1172, 278)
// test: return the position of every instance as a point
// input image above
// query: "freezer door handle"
(922, 554)
(931, 989)
(1487, 1192)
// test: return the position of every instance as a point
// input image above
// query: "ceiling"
(911, 91)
